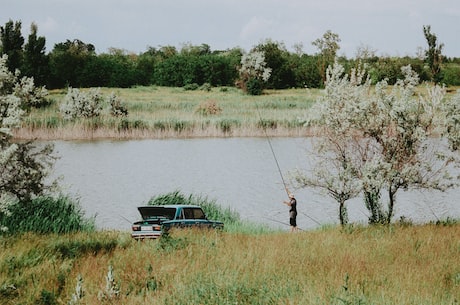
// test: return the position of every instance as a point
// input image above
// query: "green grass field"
(158, 112)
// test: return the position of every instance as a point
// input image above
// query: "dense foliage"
(75, 63)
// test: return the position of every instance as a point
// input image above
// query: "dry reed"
(158, 112)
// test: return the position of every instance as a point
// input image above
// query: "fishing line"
(281, 222)
(278, 165)
(272, 150)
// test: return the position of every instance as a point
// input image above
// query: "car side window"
(188, 213)
(198, 214)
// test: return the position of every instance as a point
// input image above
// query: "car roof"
(171, 206)
(169, 210)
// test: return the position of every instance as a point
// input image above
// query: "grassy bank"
(375, 265)
(159, 112)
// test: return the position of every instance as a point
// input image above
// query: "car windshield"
(157, 212)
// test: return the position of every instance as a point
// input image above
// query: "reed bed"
(160, 112)
(364, 265)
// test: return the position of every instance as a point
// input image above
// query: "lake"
(112, 178)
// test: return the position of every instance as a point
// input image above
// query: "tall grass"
(156, 112)
(46, 215)
(369, 265)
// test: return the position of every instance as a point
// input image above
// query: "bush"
(451, 75)
(191, 87)
(79, 104)
(46, 215)
(206, 87)
(117, 108)
(254, 86)
(208, 107)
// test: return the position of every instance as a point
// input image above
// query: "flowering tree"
(379, 139)
(253, 72)
(23, 167)
(78, 104)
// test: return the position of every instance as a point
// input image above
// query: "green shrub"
(117, 107)
(191, 87)
(206, 87)
(46, 215)
(254, 86)
(451, 75)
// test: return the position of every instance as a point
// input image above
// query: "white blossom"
(253, 65)
(82, 104)
(380, 136)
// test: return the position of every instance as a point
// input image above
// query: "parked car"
(160, 218)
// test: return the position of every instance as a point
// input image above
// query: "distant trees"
(327, 46)
(75, 63)
(277, 59)
(35, 59)
(433, 54)
(197, 66)
(12, 42)
(67, 63)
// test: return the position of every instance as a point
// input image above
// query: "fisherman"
(292, 204)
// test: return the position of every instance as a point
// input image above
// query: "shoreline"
(75, 134)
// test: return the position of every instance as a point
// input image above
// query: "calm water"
(112, 178)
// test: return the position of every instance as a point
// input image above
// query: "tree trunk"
(392, 196)
(343, 213)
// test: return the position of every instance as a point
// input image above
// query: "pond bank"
(78, 133)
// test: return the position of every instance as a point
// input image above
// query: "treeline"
(75, 63)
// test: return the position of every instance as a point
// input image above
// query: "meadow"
(357, 265)
(395, 264)
(164, 112)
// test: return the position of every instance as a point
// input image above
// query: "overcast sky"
(390, 27)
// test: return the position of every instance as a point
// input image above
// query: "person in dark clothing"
(292, 204)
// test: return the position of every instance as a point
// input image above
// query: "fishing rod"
(126, 219)
(283, 223)
(311, 218)
(278, 166)
(272, 150)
